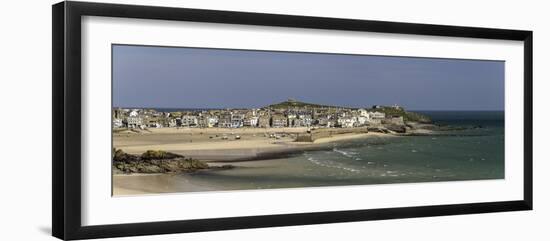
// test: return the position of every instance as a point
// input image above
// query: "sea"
(472, 148)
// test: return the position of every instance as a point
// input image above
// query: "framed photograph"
(170, 120)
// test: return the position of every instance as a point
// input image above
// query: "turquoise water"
(474, 152)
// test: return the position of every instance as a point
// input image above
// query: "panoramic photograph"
(203, 119)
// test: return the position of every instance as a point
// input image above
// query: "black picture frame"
(66, 127)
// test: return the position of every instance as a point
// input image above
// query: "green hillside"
(407, 115)
(291, 103)
(389, 111)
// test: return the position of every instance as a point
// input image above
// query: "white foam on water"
(349, 154)
(328, 164)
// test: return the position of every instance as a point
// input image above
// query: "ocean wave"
(330, 164)
(349, 154)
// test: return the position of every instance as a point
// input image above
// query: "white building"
(117, 123)
(134, 113)
(237, 120)
(211, 121)
(363, 113)
(397, 107)
(306, 120)
(189, 120)
(347, 122)
(251, 121)
(279, 121)
(134, 121)
(377, 115)
(325, 121)
(172, 123)
(362, 120)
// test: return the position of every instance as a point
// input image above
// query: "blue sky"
(169, 77)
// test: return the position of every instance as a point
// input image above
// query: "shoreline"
(248, 149)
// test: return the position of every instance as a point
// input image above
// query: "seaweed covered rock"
(121, 156)
(155, 161)
(159, 155)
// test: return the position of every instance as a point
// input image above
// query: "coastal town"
(287, 114)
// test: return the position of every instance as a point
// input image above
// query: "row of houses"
(262, 118)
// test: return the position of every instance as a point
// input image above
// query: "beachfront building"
(297, 123)
(172, 123)
(291, 117)
(362, 120)
(325, 121)
(117, 123)
(207, 121)
(363, 112)
(279, 120)
(347, 122)
(134, 121)
(307, 120)
(224, 120)
(251, 121)
(189, 121)
(301, 123)
(237, 120)
(377, 115)
(302, 120)
(211, 121)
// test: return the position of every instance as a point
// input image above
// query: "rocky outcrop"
(154, 161)
(397, 128)
(418, 125)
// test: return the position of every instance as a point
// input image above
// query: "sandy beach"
(216, 146)
(244, 148)
(221, 144)
(136, 184)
